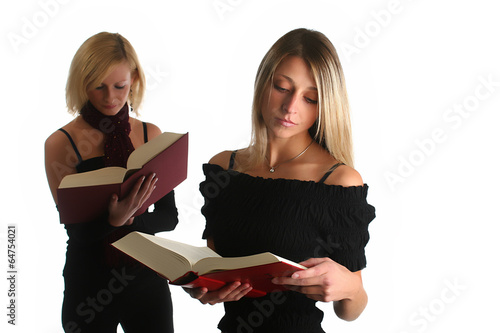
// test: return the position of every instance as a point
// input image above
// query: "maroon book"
(83, 197)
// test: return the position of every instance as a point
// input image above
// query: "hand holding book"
(230, 292)
(121, 211)
(200, 267)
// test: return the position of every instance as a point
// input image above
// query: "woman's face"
(110, 96)
(290, 105)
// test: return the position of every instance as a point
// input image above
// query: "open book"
(193, 267)
(83, 197)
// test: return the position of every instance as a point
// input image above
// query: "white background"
(410, 65)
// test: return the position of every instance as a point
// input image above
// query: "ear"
(314, 129)
(133, 76)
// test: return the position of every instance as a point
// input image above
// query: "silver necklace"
(273, 168)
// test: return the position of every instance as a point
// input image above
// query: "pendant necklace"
(273, 168)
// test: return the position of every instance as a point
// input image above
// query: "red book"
(192, 267)
(83, 197)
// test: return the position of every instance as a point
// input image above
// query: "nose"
(108, 94)
(290, 103)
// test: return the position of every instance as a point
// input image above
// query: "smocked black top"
(293, 219)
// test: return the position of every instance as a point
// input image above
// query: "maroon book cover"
(85, 203)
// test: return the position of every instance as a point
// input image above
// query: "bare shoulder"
(137, 127)
(54, 139)
(153, 130)
(59, 158)
(58, 138)
(222, 159)
(345, 176)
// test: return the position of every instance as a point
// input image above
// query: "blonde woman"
(292, 192)
(102, 287)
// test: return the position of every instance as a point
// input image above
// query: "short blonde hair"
(332, 129)
(92, 63)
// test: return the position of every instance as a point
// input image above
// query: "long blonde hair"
(332, 129)
(92, 63)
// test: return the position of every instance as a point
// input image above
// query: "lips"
(285, 122)
(109, 106)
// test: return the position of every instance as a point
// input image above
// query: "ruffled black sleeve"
(217, 179)
(344, 227)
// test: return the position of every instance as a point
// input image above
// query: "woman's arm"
(327, 281)
(60, 160)
(351, 308)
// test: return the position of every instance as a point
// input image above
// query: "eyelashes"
(284, 90)
(311, 101)
(116, 87)
(280, 89)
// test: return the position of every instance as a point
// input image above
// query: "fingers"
(313, 281)
(299, 282)
(147, 188)
(317, 267)
(142, 190)
(315, 261)
(143, 187)
(196, 292)
(231, 292)
(121, 211)
(324, 280)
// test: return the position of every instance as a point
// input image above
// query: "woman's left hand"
(324, 280)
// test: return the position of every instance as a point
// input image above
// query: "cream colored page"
(147, 152)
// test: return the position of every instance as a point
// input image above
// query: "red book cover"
(200, 266)
(85, 203)
(259, 277)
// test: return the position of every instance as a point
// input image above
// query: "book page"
(169, 258)
(193, 254)
(148, 151)
(215, 264)
(110, 175)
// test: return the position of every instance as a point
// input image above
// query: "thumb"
(313, 262)
(114, 200)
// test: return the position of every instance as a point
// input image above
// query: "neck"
(282, 150)
(116, 128)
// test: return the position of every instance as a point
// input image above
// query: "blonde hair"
(332, 129)
(94, 61)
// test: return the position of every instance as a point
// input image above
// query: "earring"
(130, 99)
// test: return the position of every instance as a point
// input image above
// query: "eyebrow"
(292, 81)
(117, 82)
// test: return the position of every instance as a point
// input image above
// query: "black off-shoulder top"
(293, 219)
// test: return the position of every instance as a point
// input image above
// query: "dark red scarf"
(117, 143)
(117, 149)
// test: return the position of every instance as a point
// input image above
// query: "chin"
(110, 112)
(283, 134)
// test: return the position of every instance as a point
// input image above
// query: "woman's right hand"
(230, 292)
(121, 211)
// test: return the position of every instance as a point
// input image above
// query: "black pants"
(138, 300)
